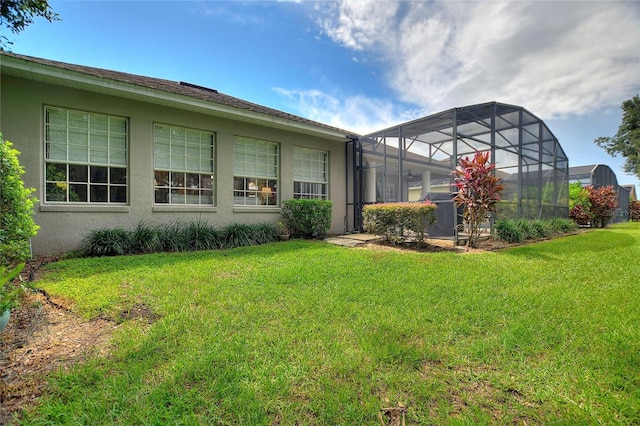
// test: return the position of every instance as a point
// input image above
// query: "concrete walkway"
(352, 240)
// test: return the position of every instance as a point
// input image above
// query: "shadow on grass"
(596, 240)
(88, 266)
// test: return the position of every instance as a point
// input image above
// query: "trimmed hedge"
(392, 220)
(307, 218)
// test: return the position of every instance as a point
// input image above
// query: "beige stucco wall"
(62, 227)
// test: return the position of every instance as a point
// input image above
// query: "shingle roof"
(175, 88)
(582, 170)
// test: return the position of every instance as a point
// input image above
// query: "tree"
(626, 141)
(16, 15)
(478, 191)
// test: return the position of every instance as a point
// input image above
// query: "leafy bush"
(16, 223)
(634, 210)
(604, 201)
(308, 218)
(391, 220)
(16, 209)
(578, 196)
(478, 191)
(581, 214)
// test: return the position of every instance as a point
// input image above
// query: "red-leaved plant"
(604, 201)
(634, 210)
(478, 191)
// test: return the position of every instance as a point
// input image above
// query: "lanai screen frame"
(395, 162)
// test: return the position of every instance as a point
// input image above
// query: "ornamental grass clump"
(392, 220)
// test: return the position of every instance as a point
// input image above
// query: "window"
(183, 165)
(255, 170)
(85, 157)
(310, 173)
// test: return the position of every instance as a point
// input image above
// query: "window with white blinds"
(310, 173)
(255, 172)
(85, 157)
(184, 165)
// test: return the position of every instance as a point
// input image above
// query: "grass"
(310, 333)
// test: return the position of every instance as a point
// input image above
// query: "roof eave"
(73, 79)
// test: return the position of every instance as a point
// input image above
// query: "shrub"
(308, 218)
(16, 209)
(634, 211)
(604, 201)
(581, 214)
(478, 191)
(578, 196)
(16, 223)
(391, 220)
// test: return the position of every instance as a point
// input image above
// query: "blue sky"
(365, 65)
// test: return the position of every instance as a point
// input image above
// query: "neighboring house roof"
(632, 191)
(165, 92)
(582, 170)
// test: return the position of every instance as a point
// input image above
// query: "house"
(109, 149)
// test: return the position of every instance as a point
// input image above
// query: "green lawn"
(310, 333)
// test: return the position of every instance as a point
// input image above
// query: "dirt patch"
(437, 245)
(140, 311)
(42, 336)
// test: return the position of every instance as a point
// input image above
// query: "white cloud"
(554, 58)
(355, 113)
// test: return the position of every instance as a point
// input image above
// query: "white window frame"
(256, 172)
(85, 157)
(310, 173)
(184, 166)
